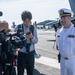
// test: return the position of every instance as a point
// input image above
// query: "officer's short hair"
(26, 14)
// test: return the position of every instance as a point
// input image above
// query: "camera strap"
(21, 26)
(31, 28)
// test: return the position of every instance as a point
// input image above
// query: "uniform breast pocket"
(71, 38)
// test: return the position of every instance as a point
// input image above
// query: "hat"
(65, 12)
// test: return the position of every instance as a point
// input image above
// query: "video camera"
(11, 41)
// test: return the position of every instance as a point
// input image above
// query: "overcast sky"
(40, 9)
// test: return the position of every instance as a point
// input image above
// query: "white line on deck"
(48, 61)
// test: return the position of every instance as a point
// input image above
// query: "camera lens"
(1, 13)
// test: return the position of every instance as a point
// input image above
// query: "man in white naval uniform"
(65, 39)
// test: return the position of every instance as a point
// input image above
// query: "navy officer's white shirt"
(65, 40)
(33, 41)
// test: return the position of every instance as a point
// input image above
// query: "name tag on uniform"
(71, 36)
(58, 36)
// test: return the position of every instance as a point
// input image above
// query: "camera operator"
(26, 54)
(3, 26)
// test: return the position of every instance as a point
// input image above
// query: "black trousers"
(25, 61)
(0, 69)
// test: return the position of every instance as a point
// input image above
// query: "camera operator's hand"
(3, 26)
(29, 36)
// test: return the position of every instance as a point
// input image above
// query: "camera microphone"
(1, 13)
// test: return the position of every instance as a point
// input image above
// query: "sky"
(41, 9)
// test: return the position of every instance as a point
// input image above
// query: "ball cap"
(65, 12)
